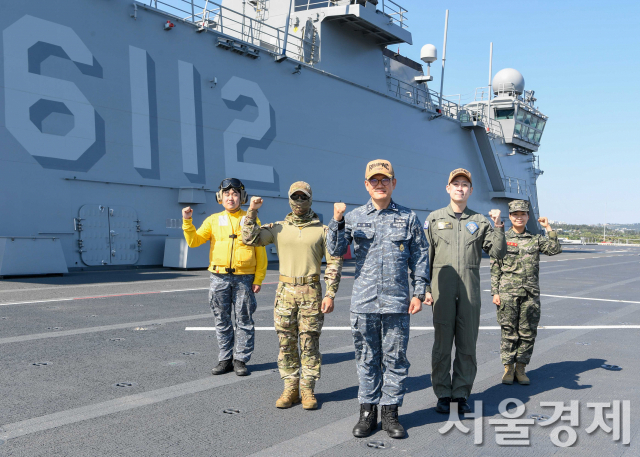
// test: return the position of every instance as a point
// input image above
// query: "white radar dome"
(508, 80)
(428, 53)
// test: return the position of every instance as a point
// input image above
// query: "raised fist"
(544, 222)
(338, 211)
(256, 203)
(187, 212)
(494, 214)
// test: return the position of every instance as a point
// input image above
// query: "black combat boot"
(463, 406)
(368, 421)
(224, 366)
(443, 405)
(240, 368)
(390, 421)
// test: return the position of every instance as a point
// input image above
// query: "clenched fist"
(494, 214)
(428, 299)
(338, 211)
(544, 222)
(187, 212)
(327, 305)
(256, 203)
(496, 300)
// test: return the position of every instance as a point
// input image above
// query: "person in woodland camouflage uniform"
(299, 307)
(516, 290)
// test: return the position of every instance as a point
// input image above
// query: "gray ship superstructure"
(118, 114)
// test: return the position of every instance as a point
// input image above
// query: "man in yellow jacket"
(237, 272)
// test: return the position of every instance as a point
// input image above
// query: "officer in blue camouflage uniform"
(515, 287)
(388, 240)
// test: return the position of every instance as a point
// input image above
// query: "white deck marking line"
(104, 328)
(83, 413)
(584, 298)
(110, 284)
(101, 296)
(541, 327)
(113, 295)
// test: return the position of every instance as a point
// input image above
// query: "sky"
(582, 58)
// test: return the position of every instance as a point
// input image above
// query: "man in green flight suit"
(457, 236)
(515, 287)
(301, 241)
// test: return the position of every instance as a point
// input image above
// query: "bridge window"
(541, 124)
(534, 121)
(531, 134)
(504, 113)
(518, 128)
(527, 119)
(537, 136)
(520, 116)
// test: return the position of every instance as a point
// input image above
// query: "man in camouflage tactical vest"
(299, 308)
(516, 290)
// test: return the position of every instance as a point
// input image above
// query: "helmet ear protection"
(232, 183)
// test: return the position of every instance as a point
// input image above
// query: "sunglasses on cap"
(231, 183)
(302, 197)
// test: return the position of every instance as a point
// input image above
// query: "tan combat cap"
(518, 205)
(300, 186)
(378, 166)
(460, 172)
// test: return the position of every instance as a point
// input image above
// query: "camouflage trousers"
(298, 314)
(227, 292)
(519, 318)
(381, 342)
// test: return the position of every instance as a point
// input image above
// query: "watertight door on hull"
(94, 235)
(123, 234)
(109, 235)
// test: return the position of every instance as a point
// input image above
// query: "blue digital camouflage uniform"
(387, 243)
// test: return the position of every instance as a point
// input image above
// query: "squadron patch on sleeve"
(472, 227)
(426, 224)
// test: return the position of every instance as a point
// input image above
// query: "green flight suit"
(455, 251)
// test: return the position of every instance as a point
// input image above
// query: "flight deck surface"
(102, 363)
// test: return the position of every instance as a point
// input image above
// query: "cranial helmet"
(232, 183)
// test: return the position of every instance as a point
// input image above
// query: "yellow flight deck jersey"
(224, 231)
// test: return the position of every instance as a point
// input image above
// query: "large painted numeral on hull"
(50, 117)
(191, 129)
(240, 135)
(144, 113)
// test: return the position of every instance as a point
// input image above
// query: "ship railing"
(482, 94)
(396, 13)
(407, 92)
(516, 186)
(213, 17)
(426, 98)
(479, 114)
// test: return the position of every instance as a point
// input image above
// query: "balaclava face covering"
(301, 209)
